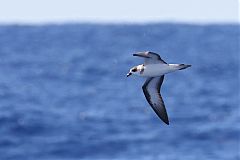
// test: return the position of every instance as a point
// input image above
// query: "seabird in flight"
(154, 68)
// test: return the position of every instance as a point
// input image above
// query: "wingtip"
(141, 54)
(164, 118)
(138, 54)
(166, 121)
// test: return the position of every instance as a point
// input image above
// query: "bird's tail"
(181, 66)
(184, 66)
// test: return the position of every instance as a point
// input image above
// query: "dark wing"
(151, 90)
(150, 57)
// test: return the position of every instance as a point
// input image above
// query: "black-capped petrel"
(154, 68)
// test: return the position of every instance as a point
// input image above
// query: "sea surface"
(64, 94)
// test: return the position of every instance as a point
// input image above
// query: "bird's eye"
(134, 69)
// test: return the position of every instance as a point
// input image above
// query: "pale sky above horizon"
(110, 11)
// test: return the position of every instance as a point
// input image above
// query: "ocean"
(64, 94)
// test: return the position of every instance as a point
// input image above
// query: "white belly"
(154, 70)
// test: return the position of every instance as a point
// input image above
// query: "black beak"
(129, 74)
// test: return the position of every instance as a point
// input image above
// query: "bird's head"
(134, 70)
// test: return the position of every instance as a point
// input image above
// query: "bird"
(154, 68)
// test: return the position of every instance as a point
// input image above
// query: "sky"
(118, 11)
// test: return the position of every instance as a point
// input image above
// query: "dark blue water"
(64, 93)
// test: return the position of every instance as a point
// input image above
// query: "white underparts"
(154, 70)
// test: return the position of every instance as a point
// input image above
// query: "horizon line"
(120, 22)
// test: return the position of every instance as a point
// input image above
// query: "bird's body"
(154, 68)
(158, 69)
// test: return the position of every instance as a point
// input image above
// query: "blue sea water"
(64, 94)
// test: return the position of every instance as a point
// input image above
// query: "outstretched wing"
(151, 90)
(150, 57)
